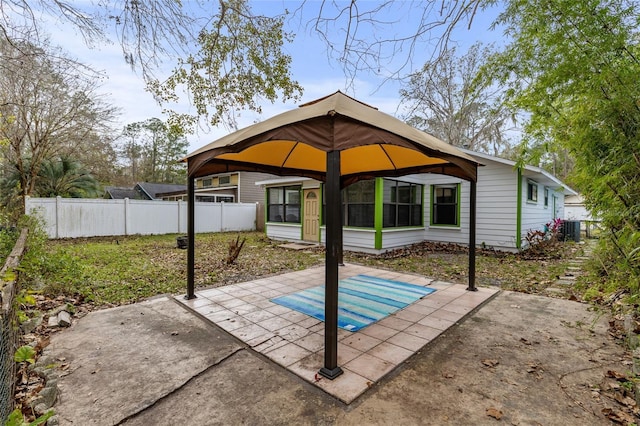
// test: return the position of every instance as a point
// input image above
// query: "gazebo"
(337, 140)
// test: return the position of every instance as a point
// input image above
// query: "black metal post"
(333, 249)
(472, 237)
(340, 234)
(191, 237)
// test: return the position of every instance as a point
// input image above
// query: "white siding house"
(384, 213)
(574, 209)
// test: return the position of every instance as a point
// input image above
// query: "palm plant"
(65, 177)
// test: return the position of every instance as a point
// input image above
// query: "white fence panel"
(152, 217)
(45, 210)
(74, 217)
(236, 217)
(208, 217)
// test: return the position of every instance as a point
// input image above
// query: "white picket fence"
(82, 217)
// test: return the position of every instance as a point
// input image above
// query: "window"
(532, 191)
(358, 202)
(546, 197)
(283, 204)
(402, 204)
(224, 198)
(445, 205)
(205, 199)
(224, 180)
(206, 182)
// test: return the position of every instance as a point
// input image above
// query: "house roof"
(281, 180)
(539, 175)
(117, 193)
(536, 173)
(152, 190)
(574, 200)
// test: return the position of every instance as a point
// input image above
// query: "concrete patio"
(295, 341)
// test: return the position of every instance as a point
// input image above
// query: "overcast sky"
(310, 67)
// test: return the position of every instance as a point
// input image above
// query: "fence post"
(58, 201)
(179, 218)
(126, 216)
(222, 227)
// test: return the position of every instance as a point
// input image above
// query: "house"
(385, 213)
(237, 187)
(574, 209)
(143, 191)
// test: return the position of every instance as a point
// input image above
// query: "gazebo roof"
(295, 142)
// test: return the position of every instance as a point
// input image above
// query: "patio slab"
(295, 341)
(157, 363)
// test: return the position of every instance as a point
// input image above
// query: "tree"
(48, 109)
(446, 99)
(574, 66)
(151, 151)
(232, 56)
(66, 178)
(239, 59)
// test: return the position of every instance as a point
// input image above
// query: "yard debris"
(234, 249)
(618, 416)
(535, 368)
(490, 362)
(494, 412)
(615, 375)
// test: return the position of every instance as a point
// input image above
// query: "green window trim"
(432, 205)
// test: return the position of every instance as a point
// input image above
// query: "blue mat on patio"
(362, 300)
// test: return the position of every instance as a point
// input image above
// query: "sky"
(311, 67)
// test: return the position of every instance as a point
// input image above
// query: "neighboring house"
(236, 187)
(574, 209)
(143, 191)
(384, 213)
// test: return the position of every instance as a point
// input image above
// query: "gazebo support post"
(341, 235)
(333, 253)
(472, 237)
(191, 247)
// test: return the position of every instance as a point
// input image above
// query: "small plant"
(544, 242)
(17, 419)
(553, 229)
(22, 300)
(25, 354)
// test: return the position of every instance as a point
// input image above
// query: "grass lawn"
(117, 270)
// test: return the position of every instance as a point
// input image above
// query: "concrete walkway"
(525, 359)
